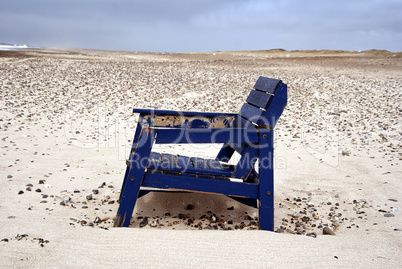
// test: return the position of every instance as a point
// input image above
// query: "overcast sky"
(203, 25)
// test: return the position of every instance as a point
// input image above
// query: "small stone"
(389, 215)
(144, 222)
(213, 219)
(95, 191)
(43, 202)
(111, 202)
(97, 220)
(230, 208)
(89, 197)
(314, 235)
(77, 191)
(29, 185)
(397, 230)
(62, 203)
(189, 207)
(4, 240)
(152, 223)
(393, 200)
(9, 176)
(28, 189)
(42, 181)
(45, 196)
(38, 190)
(328, 231)
(278, 230)
(20, 192)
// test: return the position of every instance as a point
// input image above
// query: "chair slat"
(184, 162)
(154, 159)
(213, 164)
(266, 84)
(251, 112)
(258, 98)
(168, 161)
(199, 163)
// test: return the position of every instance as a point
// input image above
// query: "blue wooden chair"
(250, 133)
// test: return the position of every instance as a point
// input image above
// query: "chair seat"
(165, 163)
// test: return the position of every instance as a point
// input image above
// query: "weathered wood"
(267, 84)
(182, 113)
(141, 150)
(250, 133)
(245, 166)
(266, 184)
(271, 116)
(213, 164)
(225, 153)
(190, 136)
(193, 184)
(251, 112)
(184, 164)
(183, 121)
(199, 163)
(259, 99)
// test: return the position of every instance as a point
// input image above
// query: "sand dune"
(65, 132)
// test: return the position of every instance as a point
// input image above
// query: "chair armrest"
(183, 113)
(204, 135)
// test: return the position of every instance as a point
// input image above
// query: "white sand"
(66, 119)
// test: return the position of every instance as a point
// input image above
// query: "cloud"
(203, 25)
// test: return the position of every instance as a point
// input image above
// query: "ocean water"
(5, 46)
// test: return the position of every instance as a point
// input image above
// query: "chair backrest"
(262, 109)
(265, 104)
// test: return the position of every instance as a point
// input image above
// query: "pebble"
(77, 191)
(152, 223)
(28, 189)
(190, 207)
(42, 181)
(328, 231)
(38, 190)
(97, 220)
(89, 197)
(314, 235)
(144, 222)
(95, 191)
(213, 219)
(20, 192)
(9, 176)
(389, 215)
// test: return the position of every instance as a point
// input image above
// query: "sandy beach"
(66, 127)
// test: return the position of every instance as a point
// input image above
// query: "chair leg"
(225, 153)
(142, 146)
(266, 184)
(131, 157)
